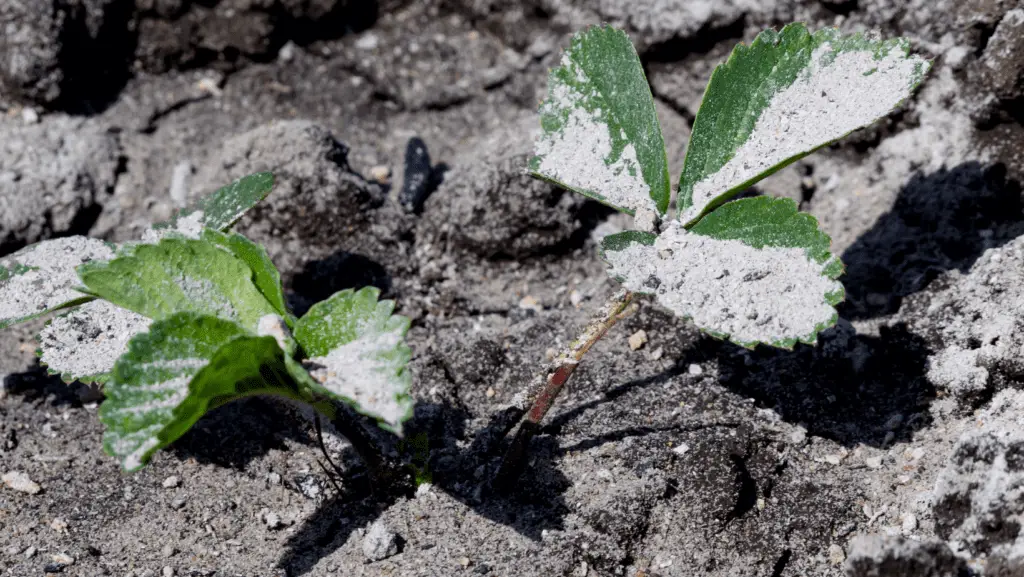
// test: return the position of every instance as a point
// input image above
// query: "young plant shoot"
(192, 318)
(751, 271)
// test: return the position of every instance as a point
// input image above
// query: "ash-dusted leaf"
(170, 376)
(85, 343)
(41, 278)
(219, 210)
(786, 95)
(265, 275)
(601, 135)
(357, 353)
(754, 271)
(621, 240)
(175, 275)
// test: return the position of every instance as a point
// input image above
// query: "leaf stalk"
(542, 395)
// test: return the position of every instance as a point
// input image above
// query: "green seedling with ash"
(753, 270)
(193, 317)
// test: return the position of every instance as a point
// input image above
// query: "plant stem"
(543, 396)
(349, 428)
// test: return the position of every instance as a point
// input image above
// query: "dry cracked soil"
(398, 131)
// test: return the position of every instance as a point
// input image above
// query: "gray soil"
(398, 131)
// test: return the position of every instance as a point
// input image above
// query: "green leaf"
(175, 275)
(41, 278)
(623, 241)
(85, 343)
(786, 95)
(764, 221)
(172, 375)
(265, 275)
(754, 271)
(219, 210)
(601, 135)
(356, 353)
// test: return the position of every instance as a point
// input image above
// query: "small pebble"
(695, 369)
(287, 52)
(30, 552)
(168, 571)
(575, 298)
(681, 449)
(381, 174)
(909, 522)
(59, 525)
(530, 303)
(873, 462)
(368, 41)
(29, 115)
(63, 559)
(171, 482)
(638, 340)
(464, 561)
(490, 392)
(380, 542)
(168, 551)
(271, 519)
(833, 459)
(836, 555)
(20, 482)
(177, 504)
(656, 354)
(274, 478)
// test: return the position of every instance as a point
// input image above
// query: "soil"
(398, 131)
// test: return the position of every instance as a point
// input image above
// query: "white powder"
(727, 287)
(51, 282)
(359, 372)
(188, 226)
(205, 291)
(148, 442)
(827, 101)
(579, 155)
(89, 340)
(274, 326)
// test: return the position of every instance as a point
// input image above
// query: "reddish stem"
(543, 399)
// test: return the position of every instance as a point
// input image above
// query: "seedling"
(753, 270)
(192, 318)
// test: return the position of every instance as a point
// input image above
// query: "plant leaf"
(786, 95)
(754, 271)
(41, 278)
(175, 275)
(219, 210)
(601, 135)
(356, 353)
(265, 275)
(85, 343)
(172, 375)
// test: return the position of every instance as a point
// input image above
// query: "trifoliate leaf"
(175, 275)
(85, 343)
(41, 278)
(754, 271)
(265, 275)
(356, 352)
(786, 95)
(185, 365)
(218, 210)
(601, 135)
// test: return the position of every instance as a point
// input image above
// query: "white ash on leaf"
(748, 294)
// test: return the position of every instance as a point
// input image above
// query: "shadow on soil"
(941, 221)
(536, 505)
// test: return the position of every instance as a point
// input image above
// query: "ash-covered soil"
(398, 131)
